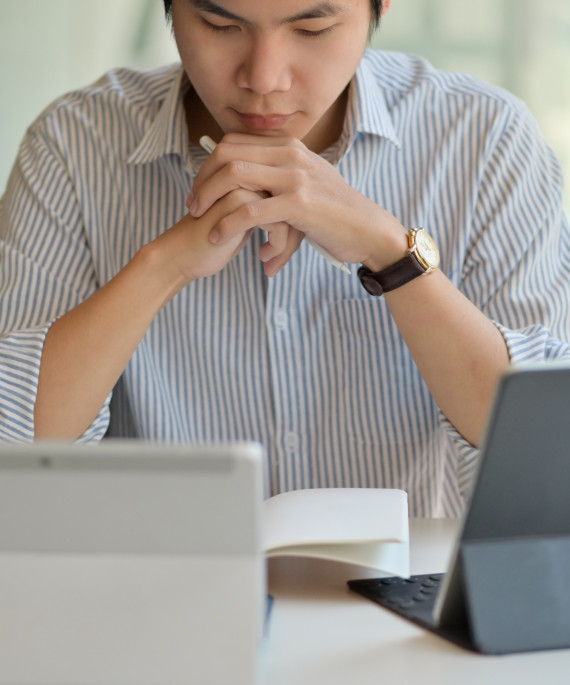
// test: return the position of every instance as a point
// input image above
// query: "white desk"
(323, 634)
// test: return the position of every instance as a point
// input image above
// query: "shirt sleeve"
(517, 265)
(45, 270)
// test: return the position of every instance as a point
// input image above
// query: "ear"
(386, 6)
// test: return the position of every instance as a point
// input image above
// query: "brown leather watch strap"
(398, 274)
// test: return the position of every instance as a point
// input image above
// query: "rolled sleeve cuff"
(532, 345)
(20, 359)
(467, 456)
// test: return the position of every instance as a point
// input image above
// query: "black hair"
(375, 6)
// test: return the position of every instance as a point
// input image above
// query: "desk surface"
(323, 634)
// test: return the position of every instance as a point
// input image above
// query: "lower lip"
(257, 123)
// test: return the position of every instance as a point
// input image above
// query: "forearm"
(87, 349)
(458, 350)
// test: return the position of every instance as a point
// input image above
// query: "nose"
(265, 67)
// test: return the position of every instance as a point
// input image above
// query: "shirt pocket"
(381, 390)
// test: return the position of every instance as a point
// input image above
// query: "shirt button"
(281, 319)
(291, 440)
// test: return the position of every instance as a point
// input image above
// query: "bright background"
(50, 46)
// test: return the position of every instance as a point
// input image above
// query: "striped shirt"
(307, 363)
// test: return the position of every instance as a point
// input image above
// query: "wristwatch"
(422, 258)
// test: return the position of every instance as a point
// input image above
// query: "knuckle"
(298, 178)
(296, 156)
(240, 196)
(300, 197)
(252, 210)
(294, 143)
(230, 137)
(224, 149)
(225, 226)
(237, 168)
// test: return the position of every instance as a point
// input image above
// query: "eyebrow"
(319, 11)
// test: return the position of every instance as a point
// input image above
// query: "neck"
(329, 127)
(199, 120)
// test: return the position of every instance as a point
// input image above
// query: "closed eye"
(315, 34)
(220, 28)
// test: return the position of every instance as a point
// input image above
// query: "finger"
(249, 139)
(223, 153)
(273, 152)
(277, 235)
(274, 265)
(260, 178)
(245, 238)
(262, 212)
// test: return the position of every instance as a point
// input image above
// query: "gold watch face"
(426, 250)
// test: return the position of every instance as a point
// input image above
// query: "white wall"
(521, 45)
(48, 47)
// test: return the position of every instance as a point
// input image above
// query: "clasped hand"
(296, 193)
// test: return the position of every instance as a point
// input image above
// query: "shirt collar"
(366, 113)
(168, 133)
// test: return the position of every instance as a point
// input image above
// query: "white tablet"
(127, 562)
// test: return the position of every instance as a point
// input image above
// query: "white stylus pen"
(209, 146)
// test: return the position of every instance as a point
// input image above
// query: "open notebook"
(508, 585)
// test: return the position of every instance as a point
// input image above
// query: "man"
(112, 290)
